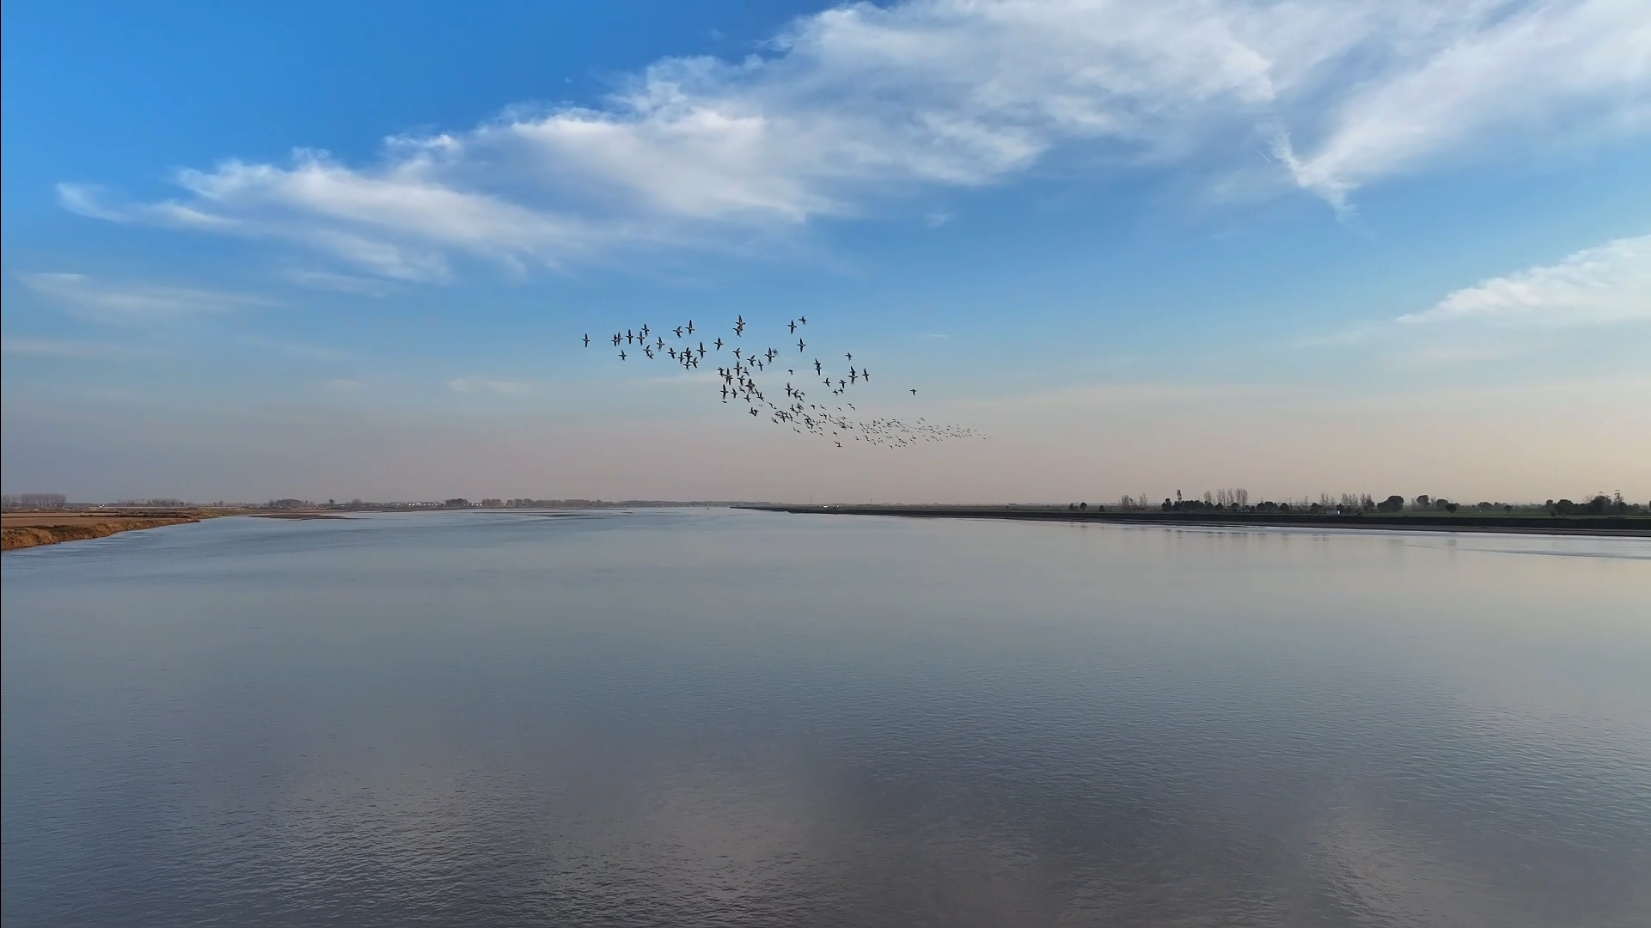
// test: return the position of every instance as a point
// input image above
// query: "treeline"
(1238, 500)
(33, 501)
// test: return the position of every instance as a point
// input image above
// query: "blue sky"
(349, 249)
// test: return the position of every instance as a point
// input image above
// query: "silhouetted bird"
(587, 339)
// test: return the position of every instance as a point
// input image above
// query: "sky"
(351, 250)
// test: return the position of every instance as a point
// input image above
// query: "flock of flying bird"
(833, 419)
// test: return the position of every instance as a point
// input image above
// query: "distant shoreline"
(1617, 526)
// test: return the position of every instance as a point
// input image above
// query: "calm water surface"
(711, 717)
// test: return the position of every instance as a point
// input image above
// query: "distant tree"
(1393, 503)
(1424, 501)
(1083, 506)
(36, 501)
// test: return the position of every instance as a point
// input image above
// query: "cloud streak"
(502, 387)
(133, 304)
(1607, 284)
(858, 107)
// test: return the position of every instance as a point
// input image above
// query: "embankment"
(13, 537)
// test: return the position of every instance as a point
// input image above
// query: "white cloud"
(856, 105)
(1610, 283)
(91, 299)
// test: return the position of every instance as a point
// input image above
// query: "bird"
(690, 326)
(743, 381)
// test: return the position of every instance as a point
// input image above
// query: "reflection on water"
(707, 716)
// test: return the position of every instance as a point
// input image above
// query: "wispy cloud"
(863, 105)
(504, 387)
(297, 349)
(1515, 314)
(133, 304)
(336, 282)
(1610, 283)
(69, 348)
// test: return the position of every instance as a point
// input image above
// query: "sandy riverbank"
(32, 529)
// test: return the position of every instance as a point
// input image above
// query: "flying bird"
(742, 381)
